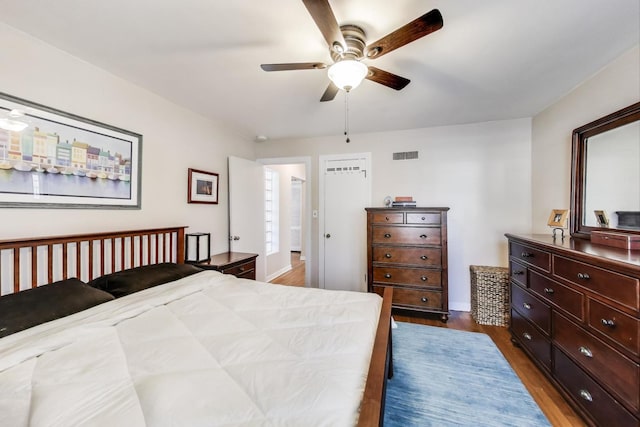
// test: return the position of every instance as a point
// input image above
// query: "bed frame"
(28, 263)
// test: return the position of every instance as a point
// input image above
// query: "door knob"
(327, 235)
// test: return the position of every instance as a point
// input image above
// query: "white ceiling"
(493, 59)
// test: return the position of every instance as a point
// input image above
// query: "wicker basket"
(490, 295)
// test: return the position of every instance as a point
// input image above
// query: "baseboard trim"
(279, 273)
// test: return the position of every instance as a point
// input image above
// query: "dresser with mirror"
(575, 301)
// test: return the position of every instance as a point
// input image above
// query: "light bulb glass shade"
(348, 74)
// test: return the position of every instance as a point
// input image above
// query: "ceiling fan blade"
(324, 18)
(386, 78)
(330, 93)
(294, 66)
(420, 27)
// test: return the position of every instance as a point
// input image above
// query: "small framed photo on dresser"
(558, 218)
(602, 218)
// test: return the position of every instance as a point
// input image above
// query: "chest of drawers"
(575, 311)
(407, 250)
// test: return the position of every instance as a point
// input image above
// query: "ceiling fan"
(348, 47)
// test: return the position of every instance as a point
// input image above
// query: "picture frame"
(558, 218)
(202, 187)
(53, 159)
(602, 218)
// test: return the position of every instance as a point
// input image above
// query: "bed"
(114, 329)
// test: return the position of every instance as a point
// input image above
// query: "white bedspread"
(206, 350)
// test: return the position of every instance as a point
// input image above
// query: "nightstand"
(242, 265)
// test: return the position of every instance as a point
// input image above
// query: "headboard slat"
(46, 258)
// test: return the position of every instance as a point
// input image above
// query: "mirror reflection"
(612, 179)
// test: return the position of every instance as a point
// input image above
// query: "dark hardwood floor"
(554, 406)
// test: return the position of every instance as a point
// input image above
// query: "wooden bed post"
(380, 368)
(180, 245)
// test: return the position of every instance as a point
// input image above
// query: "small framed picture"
(558, 218)
(602, 218)
(203, 187)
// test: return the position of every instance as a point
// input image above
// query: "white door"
(345, 192)
(246, 210)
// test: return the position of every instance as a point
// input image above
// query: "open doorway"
(286, 263)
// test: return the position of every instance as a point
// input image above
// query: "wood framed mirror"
(605, 174)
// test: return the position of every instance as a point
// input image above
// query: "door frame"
(306, 160)
(321, 201)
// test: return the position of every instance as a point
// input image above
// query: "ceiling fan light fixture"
(348, 74)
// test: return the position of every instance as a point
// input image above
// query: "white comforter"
(206, 350)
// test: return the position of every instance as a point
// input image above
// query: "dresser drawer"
(602, 407)
(614, 370)
(530, 256)
(409, 276)
(407, 235)
(422, 257)
(518, 273)
(423, 218)
(531, 308)
(414, 298)
(618, 287)
(619, 327)
(245, 270)
(387, 218)
(530, 338)
(562, 296)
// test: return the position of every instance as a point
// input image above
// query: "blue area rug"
(444, 377)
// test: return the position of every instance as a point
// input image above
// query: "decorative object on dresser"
(242, 265)
(202, 187)
(407, 250)
(197, 247)
(558, 221)
(575, 311)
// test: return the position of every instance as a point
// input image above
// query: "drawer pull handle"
(423, 236)
(518, 273)
(424, 299)
(387, 276)
(608, 323)
(586, 395)
(387, 235)
(387, 255)
(526, 305)
(527, 336)
(549, 291)
(526, 255)
(241, 268)
(386, 218)
(423, 257)
(423, 218)
(583, 276)
(423, 278)
(585, 352)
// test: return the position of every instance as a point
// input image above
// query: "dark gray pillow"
(32, 307)
(126, 282)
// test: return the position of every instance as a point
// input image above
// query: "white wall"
(613, 88)
(174, 139)
(481, 171)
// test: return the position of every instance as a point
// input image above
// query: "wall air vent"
(405, 155)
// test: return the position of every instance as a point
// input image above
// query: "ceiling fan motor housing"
(355, 38)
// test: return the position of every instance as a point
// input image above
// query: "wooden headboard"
(28, 263)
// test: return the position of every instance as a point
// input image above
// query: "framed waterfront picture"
(54, 159)
(202, 187)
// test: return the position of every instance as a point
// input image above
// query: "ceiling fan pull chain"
(346, 115)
